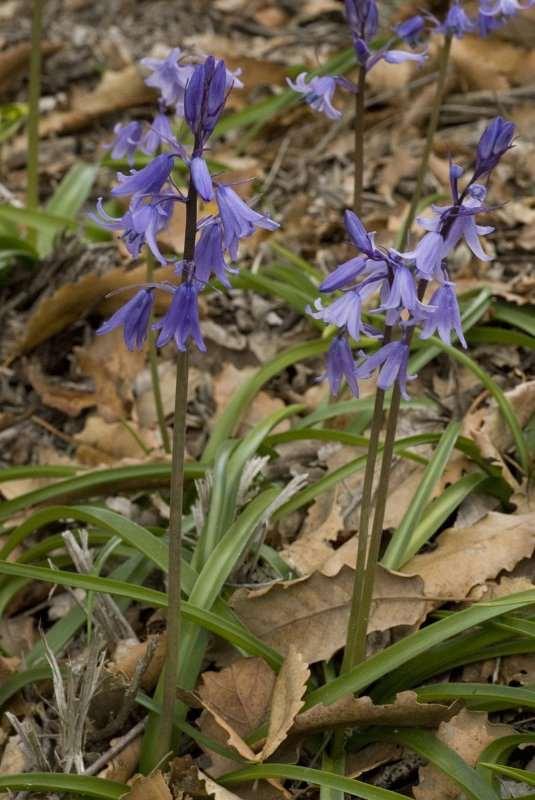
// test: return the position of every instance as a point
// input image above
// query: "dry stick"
(153, 364)
(32, 190)
(103, 760)
(175, 519)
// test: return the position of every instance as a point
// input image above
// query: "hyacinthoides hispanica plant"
(197, 93)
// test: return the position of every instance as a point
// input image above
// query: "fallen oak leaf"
(149, 787)
(59, 394)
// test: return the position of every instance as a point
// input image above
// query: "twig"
(117, 748)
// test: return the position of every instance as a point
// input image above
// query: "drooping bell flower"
(134, 317)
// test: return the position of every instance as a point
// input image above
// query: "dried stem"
(431, 130)
(359, 141)
(153, 365)
(175, 519)
(32, 191)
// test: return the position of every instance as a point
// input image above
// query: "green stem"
(32, 192)
(175, 519)
(153, 365)
(431, 130)
(359, 142)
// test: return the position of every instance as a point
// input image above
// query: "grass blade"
(400, 544)
(484, 696)
(81, 785)
(521, 775)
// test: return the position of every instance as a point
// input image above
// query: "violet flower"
(456, 23)
(140, 224)
(445, 315)
(318, 92)
(134, 317)
(496, 140)
(503, 8)
(181, 322)
(209, 254)
(159, 134)
(391, 360)
(204, 98)
(148, 180)
(411, 29)
(169, 77)
(238, 219)
(200, 175)
(126, 141)
(340, 365)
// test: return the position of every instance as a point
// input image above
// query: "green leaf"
(209, 620)
(436, 513)
(19, 680)
(441, 756)
(80, 785)
(499, 751)
(68, 198)
(519, 317)
(93, 484)
(489, 334)
(512, 772)
(308, 775)
(239, 402)
(483, 696)
(399, 547)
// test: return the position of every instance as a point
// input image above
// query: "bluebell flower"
(497, 139)
(318, 92)
(457, 22)
(360, 237)
(169, 77)
(209, 254)
(345, 274)
(205, 97)
(181, 322)
(140, 224)
(159, 133)
(444, 315)
(344, 312)
(134, 317)
(200, 175)
(391, 360)
(340, 365)
(411, 29)
(401, 293)
(126, 141)
(368, 58)
(238, 219)
(148, 180)
(504, 8)
(486, 24)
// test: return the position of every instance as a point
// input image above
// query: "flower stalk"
(153, 366)
(175, 519)
(32, 191)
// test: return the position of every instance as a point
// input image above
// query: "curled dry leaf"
(14, 60)
(468, 557)
(468, 733)
(103, 442)
(122, 767)
(492, 434)
(312, 613)
(284, 703)
(214, 789)
(59, 394)
(371, 757)
(149, 787)
(490, 64)
(127, 655)
(349, 711)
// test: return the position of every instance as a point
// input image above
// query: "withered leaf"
(149, 787)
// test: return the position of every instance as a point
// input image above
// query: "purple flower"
(486, 24)
(159, 134)
(397, 57)
(318, 92)
(209, 256)
(363, 19)
(402, 292)
(169, 77)
(457, 22)
(505, 8)
(340, 365)
(392, 360)
(445, 317)
(410, 29)
(428, 255)
(134, 317)
(201, 178)
(205, 97)
(344, 274)
(359, 235)
(182, 320)
(238, 219)
(496, 140)
(148, 180)
(126, 142)
(344, 312)
(141, 223)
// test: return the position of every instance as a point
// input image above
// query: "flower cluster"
(196, 93)
(401, 279)
(363, 21)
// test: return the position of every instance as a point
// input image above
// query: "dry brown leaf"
(286, 701)
(14, 60)
(348, 711)
(113, 369)
(468, 557)
(149, 787)
(468, 733)
(103, 442)
(122, 767)
(323, 522)
(312, 613)
(8, 665)
(117, 90)
(371, 757)
(57, 393)
(213, 789)
(490, 431)
(127, 655)
(490, 64)
(13, 760)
